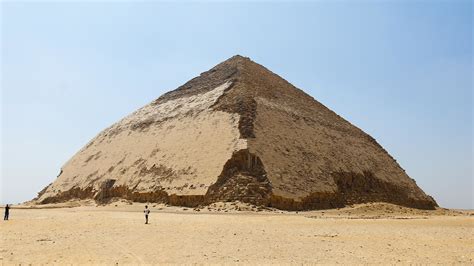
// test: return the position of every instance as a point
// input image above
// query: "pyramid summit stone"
(236, 132)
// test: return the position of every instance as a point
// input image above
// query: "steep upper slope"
(236, 132)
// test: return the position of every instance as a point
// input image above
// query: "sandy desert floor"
(371, 233)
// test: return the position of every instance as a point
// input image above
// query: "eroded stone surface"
(180, 152)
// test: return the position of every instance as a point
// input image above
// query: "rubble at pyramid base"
(244, 179)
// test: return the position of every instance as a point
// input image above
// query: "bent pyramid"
(236, 132)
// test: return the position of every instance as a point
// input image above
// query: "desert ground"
(236, 233)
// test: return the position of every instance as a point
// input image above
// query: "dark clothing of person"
(7, 212)
(146, 211)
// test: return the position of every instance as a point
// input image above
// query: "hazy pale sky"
(400, 70)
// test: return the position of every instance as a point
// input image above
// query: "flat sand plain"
(116, 234)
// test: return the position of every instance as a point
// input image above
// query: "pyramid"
(236, 132)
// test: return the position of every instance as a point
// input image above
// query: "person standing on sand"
(146, 211)
(7, 212)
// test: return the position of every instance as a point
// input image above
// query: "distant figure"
(7, 212)
(146, 211)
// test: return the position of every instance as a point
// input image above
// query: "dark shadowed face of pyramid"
(236, 132)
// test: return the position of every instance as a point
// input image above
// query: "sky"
(401, 71)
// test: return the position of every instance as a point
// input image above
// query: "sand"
(374, 233)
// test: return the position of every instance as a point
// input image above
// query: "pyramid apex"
(237, 59)
(238, 56)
